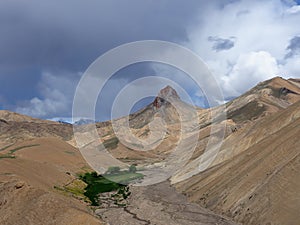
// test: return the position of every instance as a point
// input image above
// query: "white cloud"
(291, 68)
(293, 9)
(250, 68)
(262, 31)
(248, 44)
(57, 94)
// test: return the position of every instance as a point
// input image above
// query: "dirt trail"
(160, 204)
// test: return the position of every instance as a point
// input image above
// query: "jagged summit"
(166, 94)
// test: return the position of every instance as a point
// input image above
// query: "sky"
(46, 46)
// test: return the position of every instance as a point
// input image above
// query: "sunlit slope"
(29, 173)
(261, 184)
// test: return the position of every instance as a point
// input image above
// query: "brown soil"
(160, 204)
(259, 185)
(27, 184)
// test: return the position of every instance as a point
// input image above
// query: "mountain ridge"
(257, 160)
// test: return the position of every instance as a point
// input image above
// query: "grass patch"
(85, 169)
(276, 92)
(69, 152)
(250, 111)
(124, 178)
(146, 132)
(7, 156)
(76, 188)
(6, 147)
(10, 154)
(136, 145)
(97, 184)
(111, 143)
(22, 147)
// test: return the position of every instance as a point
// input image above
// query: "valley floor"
(160, 204)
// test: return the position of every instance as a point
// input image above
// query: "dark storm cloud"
(71, 34)
(242, 13)
(294, 47)
(64, 37)
(220, 44)
(47, 42)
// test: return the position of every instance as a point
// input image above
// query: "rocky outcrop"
(164, 96)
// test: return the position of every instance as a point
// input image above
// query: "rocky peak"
(167, 93)
(164, 95)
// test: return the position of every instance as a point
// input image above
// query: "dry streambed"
(159, 204)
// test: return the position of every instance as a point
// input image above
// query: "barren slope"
(260, 148)
(266, 98)
(28, 181)
(15, 127)
(261, 184)
(16, 117)
(244, 114)
(254, 179)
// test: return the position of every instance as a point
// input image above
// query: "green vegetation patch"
(281, 92)
(124, 178)
(10, 154)
(7, 156)
(250, 111)
(22, 147)
(97, 184)
(276, 92)
(6, 147)
(69, 152)
(111, 143)
(76, 187)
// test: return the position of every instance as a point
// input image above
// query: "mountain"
(261, 101)
(252, 178)
(161, 108)
(264, 99)
(84, 121)
(243, 114)
(251, 169)
(28, 182)
(7, 116)
(254, 174)
(162, 104)
(260, 183)
(15, 127)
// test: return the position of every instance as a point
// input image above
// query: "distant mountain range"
(67, 120)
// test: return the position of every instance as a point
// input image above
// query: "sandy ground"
(261, 184)
(160, 204)
(27, 193)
